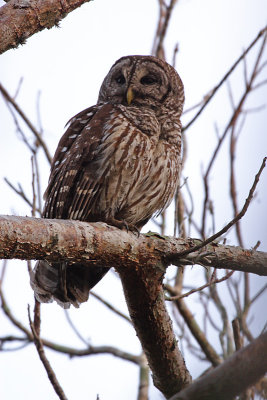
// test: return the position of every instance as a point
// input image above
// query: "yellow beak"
(129, 95)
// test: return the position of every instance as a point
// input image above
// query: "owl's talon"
(136, 230)
(122, 224)
(131, 228)
(126, 226)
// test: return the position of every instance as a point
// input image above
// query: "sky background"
(66, 66)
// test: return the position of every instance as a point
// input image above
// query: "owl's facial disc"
(132, 82)
(147, 83)
(143, 81)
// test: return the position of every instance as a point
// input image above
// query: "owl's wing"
(76, 149)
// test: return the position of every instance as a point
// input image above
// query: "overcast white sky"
(67, 66)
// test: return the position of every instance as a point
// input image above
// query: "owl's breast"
(156, 185)
(141, 171)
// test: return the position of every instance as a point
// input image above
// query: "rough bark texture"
(241, 370)
(141, 263)
(20, 19)
(145, 299)
(101, 244)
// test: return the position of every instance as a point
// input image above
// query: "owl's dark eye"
(148, 80)
(120, 79)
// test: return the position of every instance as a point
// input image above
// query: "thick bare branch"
(232, 377)
(101, 244)
(145, 300)
(21, 19)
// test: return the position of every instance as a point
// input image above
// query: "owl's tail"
(66, 283)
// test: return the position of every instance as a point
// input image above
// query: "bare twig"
(37, 134)
(258, 294)
(21, 193)
(37, 317)
(234, 220)
(3, 273)
(232, 121)
(143, 379)
(72, 352)
(164, 19)
(73, 327)
(110, 306)
(237, 337)
(260, 34)
(225, 332)
(50, 373)
(18, 127)
(33, 188)
(212, 282)
(246, 395)
(198, 334)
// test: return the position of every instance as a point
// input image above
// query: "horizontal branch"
(141, 263)
(100, 244)
(238, 372)
(70, 351)
(73, 352)
(21, 19)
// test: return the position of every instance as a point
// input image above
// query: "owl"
(118, 162)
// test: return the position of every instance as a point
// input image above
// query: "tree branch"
(232, 377)
(143, 379)
(145, 300)
(99, 244)
(30, 125)
(236, 218)
(20, 19)
(110, 306)
(141, 263)
(198, 334)
(71, 351)
(225, 77)
(165, 12)
(50, 372)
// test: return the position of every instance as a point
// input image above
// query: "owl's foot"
(132, 228)
(122, 224)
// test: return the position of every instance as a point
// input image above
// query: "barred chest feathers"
(143, 165)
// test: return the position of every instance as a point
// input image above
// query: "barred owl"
(118, 162)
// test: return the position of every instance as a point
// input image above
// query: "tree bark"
(241, 370)
(20, 19)
(141, 263)
(100, 244)
(145, 300)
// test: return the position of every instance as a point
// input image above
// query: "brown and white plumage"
(118, 162)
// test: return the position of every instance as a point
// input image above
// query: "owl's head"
(144, 81)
